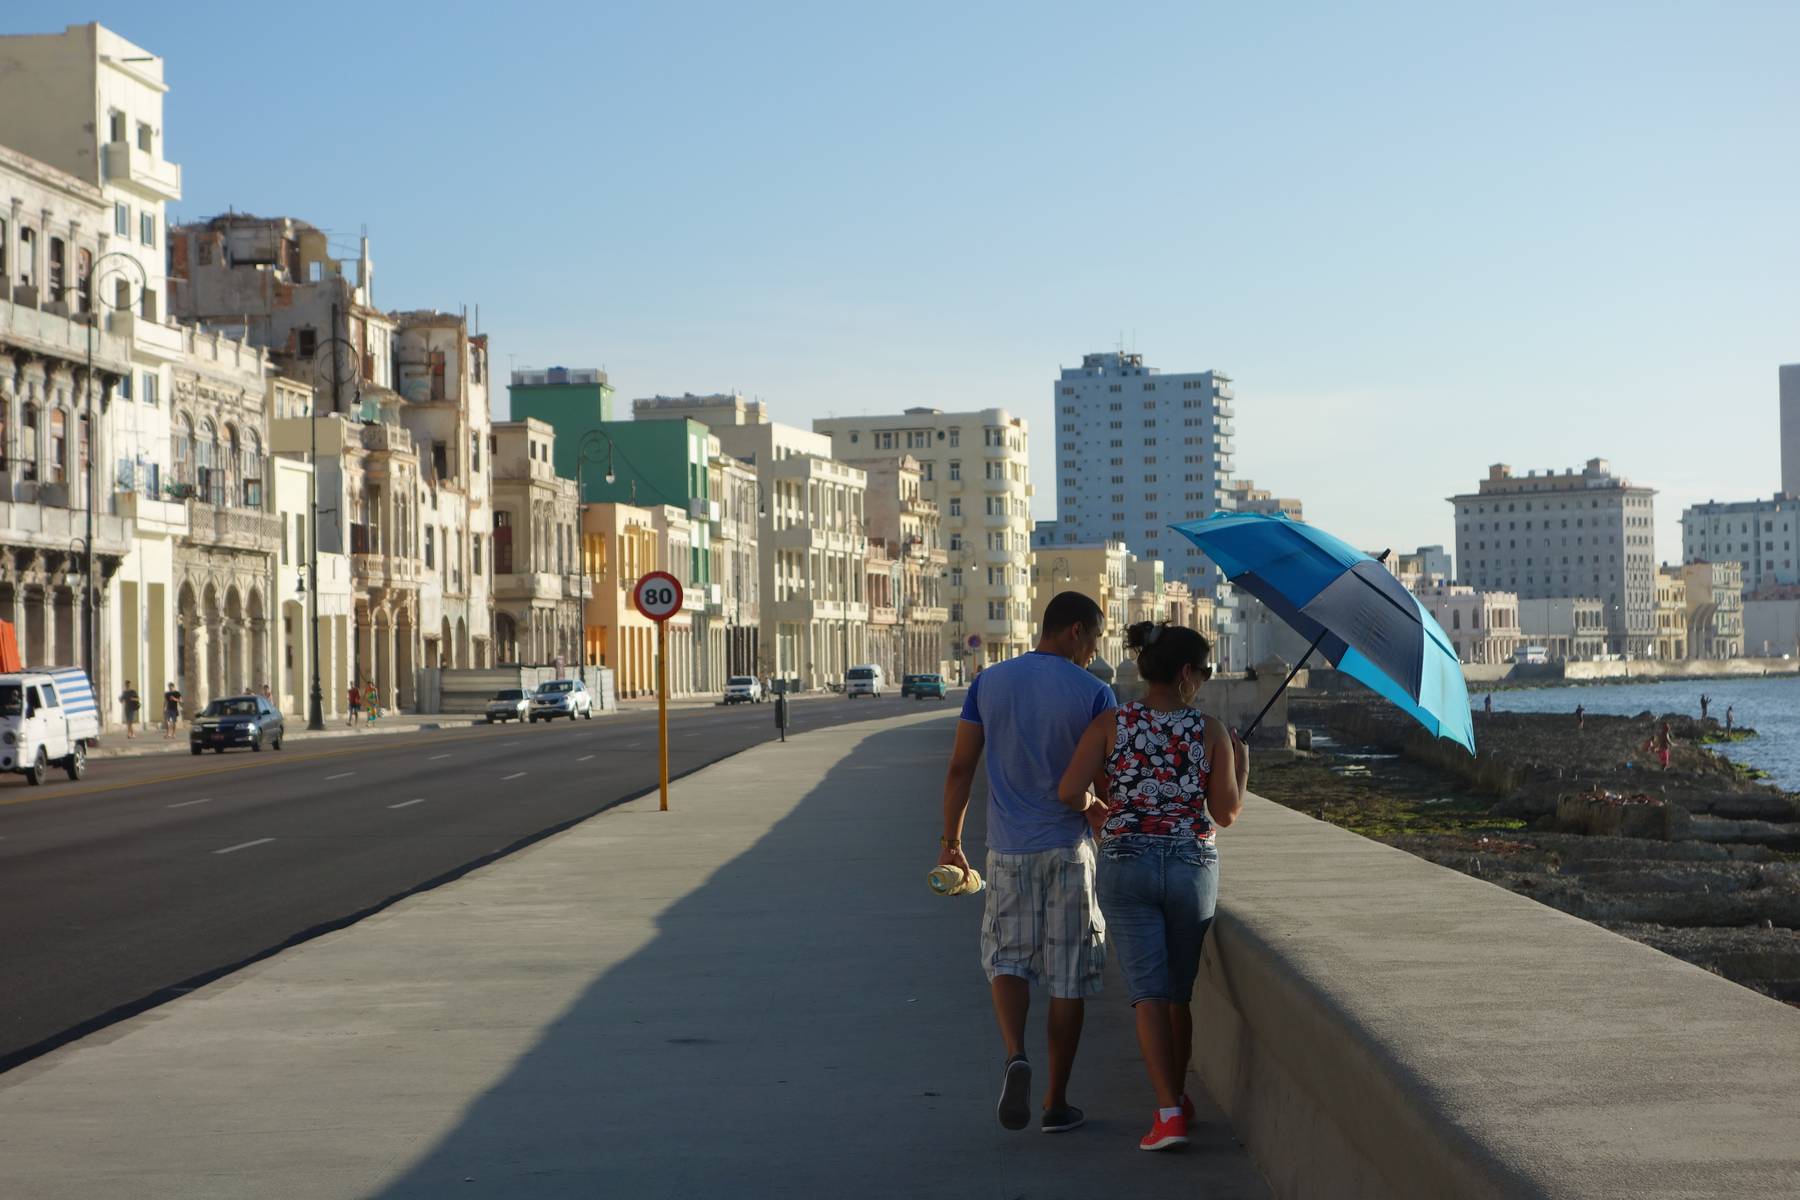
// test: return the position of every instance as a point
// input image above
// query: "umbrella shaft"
(1284, 685)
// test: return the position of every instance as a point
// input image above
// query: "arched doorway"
(506, 639)
(462, 644)
(446, 647)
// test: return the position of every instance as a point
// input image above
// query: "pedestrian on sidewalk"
(355, 705)
(1171, 777)
(1042, 923)
(171, 709)
(128, 699)
(372, 701)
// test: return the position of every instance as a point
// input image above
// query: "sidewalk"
(753, 994)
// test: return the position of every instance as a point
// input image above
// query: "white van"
(866, 680)
(47, 719)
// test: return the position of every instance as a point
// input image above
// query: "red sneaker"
(1187, 1107)
(1165, 1135)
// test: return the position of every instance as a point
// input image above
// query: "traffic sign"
(657, 595)
(974, 641)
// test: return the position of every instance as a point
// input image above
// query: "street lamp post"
(855, 528)
(96, 276)
(588, 451)
(315, 715)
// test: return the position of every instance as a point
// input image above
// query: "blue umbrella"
(1352, 609)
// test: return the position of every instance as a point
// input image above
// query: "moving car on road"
(921, 686)
(866, 680)
(743, 689)
(561, 698)
(510, 704)
(236, 721)
(47, 719)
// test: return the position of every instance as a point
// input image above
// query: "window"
(475, 452)
(475, 542)
(150, 383)
(122, 218)
(955, 468)
(309, 342)
(884, 440)
(956, 506)
(83, 442)
(147, 228)
(59, 272)
(144, 137)
(253, 471)
(436, 360)
(59, 437)
(430, 544)
(955, 439)
(117, 126)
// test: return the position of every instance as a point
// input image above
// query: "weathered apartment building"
(402, 443)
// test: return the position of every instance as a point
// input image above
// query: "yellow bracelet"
(948, 843)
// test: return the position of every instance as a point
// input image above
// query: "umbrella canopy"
(1349, 606)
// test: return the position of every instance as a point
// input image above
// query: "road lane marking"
(505, 744)
(339, 775)
(584, 758)
(185, 803)
(514, 775)
(408, 803)
(244, 846)
(435, 757)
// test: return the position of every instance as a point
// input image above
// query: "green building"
(650, 462)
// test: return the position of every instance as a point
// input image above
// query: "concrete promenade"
(751, 995)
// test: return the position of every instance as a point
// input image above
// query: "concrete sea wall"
(1376, 1025)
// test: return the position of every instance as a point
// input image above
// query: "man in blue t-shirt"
(1042, 924)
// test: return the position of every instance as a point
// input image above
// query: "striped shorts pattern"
(1042, 921)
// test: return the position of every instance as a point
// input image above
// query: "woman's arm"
(1088, 767)
(1230, 760)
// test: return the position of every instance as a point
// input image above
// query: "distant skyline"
(1420, 239)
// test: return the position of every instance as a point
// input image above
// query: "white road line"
(503, 744)
(408, 803)
(435, 757)
(514, 775)
(584, 758)
(185, 803)
(339, 775)
(243, 846)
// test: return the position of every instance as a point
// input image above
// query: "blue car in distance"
(921, 686)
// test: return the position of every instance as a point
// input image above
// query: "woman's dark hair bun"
(1162, 650)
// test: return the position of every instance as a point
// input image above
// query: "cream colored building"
(813, 541)
(1483, 627)
(975, 466)
(909, 529)
(539, 587)
(621, 545)
(1671, 614)
(1099, 571)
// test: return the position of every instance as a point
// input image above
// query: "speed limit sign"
(658, 595)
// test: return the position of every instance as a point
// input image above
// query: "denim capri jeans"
(1158, 896)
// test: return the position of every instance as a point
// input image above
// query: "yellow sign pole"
(662, 708)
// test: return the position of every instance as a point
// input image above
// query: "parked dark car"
(236, 721)
(921, 686)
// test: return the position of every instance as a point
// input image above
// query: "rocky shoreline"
(1701, 861)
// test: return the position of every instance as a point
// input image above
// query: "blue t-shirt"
(1032, 711)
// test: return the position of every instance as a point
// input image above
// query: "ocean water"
(1771, 706)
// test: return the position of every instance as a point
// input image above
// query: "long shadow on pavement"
(810, 1020)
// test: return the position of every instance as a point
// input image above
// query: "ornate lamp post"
(338, 346)
(588, 451)
(119, 262)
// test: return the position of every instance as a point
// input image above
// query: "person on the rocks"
(1705, 700)
(1662, 742)
(1580, 717)
(1728, 711)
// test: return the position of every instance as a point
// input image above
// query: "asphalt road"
(154, 875)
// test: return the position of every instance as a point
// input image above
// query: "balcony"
(232, 528)
(880, 615)
(142, 171)
(920, 614)
(149, 515)
(165, 341)
(383, 571)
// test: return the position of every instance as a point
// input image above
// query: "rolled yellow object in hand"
(948, 880)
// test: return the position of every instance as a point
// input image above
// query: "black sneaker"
(1061, 1120)
(1015, 1094)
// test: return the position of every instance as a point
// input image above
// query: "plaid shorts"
(1042, 921)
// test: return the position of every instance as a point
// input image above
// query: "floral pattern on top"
(1156, 775)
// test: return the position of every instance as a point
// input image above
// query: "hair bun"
(1140, 635)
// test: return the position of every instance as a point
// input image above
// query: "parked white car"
(561, 698)
(866, 680)
(47, 719)
(743, 689)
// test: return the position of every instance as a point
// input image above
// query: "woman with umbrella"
(1170, 777)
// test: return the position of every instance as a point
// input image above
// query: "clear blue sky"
(1421, 237)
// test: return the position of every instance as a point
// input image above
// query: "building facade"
(1100, 571)
(1671, 614)
(622, 547)
(1483, 627)
(1772, 622)
(540, 588)
(1136, 450)
(1568, 628)
(909, 530)
(975, 467)
(1546, 534)
(1763, 535)
(1715, 609)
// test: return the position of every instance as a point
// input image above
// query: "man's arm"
(964, 759)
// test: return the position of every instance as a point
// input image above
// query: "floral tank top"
(1156, 775)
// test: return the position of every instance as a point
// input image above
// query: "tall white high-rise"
(1136, 450)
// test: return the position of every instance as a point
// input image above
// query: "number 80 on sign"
(658, 595)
